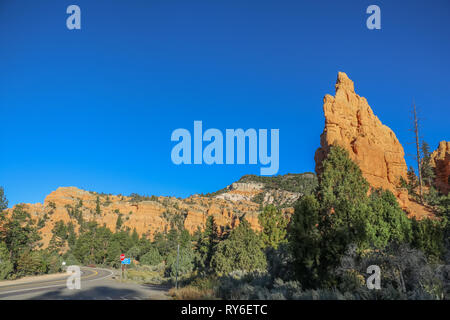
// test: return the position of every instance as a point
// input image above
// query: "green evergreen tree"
(273, 224)
(185, 262)
(3, 202)
(426, 169)
(29, 263)
(206, 245)
(428, 237)
(20, 233)
(241, 251)
(342, 193)
(98, 210)
(151, 258)
(342, 214)
(135, 237)
(413, 181)
(59, 237)
(92, 245)
(305, 241)
(71, 235)
(113, 254)
(119, 222)
(385, 221)
(6, 265)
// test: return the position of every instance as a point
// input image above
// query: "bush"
(191, 293)
(185, 263)
(428, 237)
(6, 266)
(280, 262)
(241, 251)
(147, 274)
(152, 257)
(405, 274)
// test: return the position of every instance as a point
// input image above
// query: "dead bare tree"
(418, 157)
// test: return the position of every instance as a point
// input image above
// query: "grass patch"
(146, 274)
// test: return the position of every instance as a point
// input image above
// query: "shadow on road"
(97, 293)
(155, 287)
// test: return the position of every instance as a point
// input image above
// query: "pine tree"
(151, 258)
(206, 245)
(342, 193)
(305, 241)
(342, 214)
(427, 170)
(3, 201)
(273, 225)
(98, 211)
(3, 206)
(418, 155)
(241, 251)
(20, 233)
(119, 222)
(135, 236)
(59, 237)
(412, 178)
(6, 266)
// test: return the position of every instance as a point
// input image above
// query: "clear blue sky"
(95, 108)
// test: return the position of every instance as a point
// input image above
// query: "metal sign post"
(125, 261)
(122, 257)
(178, 259)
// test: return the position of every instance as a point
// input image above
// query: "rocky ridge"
(150, 215)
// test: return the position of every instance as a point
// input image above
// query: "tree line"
(323, 248)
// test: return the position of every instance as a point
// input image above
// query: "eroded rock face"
(146, 216)
(351, 124)
(440, 161)
(238, 191)
(149, 215)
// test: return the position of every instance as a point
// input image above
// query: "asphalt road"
(96, 284)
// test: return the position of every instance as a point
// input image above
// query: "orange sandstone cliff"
(150, 215)
(440, 161)
(351, 123)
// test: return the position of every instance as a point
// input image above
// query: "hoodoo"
(351, 123)
(440, 161)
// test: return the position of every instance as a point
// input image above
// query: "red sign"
(122, 257)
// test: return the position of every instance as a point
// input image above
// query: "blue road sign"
(126, 261)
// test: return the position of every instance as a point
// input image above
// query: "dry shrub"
(191, 293)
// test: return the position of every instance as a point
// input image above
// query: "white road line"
(108, 298)
(109, 275)
(56, 285)
(35, 288)
(137, 298)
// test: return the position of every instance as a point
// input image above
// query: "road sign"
(122, 256)
(126, 261)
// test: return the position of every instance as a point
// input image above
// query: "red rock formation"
(147, 217)
(440, 161)
(351, 123)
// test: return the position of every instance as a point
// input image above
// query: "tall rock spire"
(351, 123)
(440, 161)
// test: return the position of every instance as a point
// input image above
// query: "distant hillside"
(295, 182)
(152, 214)
(282, 190)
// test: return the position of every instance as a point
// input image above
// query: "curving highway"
(96, 284)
